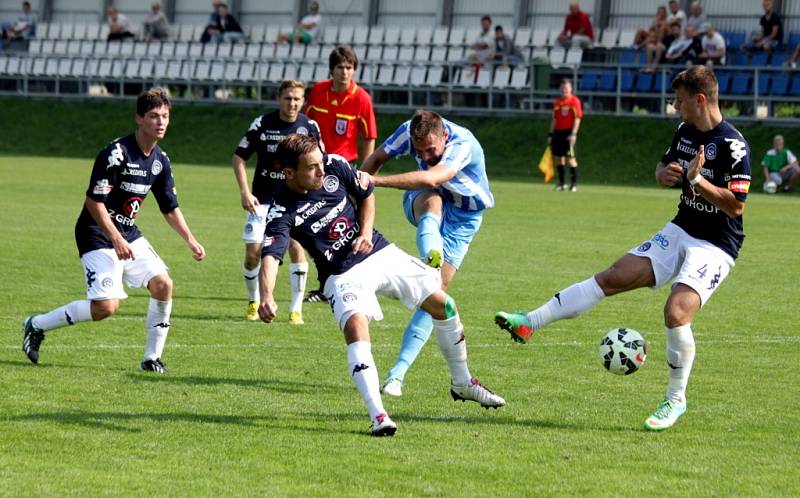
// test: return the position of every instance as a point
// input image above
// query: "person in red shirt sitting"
(577, 30)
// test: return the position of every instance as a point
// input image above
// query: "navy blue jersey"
(323, 221)
(262, 138)
(121, 178)
(727, 166)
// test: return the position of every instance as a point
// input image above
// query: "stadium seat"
(408, 35)
(630, 56)
(140, 49)
(466, 76)
(391, 35)
(330, 34)
(253, 51)
(438, 54)
(290, 72)
(795, 90)
(374, 53)
(519, 78)
(64, 67)
(385, 74)
(759, 59)
(367, 74)
(607, 81)
(51, 67)
(93, 32)
(345, 36)
(425, 35)
(167, 49)
(609, 38)
(574, 57)
(160, 69)
(35, 47)
(268, 50)
(306, 72)
(402, 73)
(360, 35)
(282, 51)
(239, 50)
(723, 80)
(522, 38)
(247, 71)
(780, 84)
(391, 53)
(626, 37)
(257, 33)
(644, 82)
(539, 37)
(297, 52)
(739, 58)
(794, 40)
(734, 39)
(557, 55)
(779, 58)
(455, 54)
(321, 72)
(418, 75)
(145, 69)
(376, 35)
(217, 70)
(275, 72)
(313, 53)
(502, 75)
(440, 35)
(404, 54)
(741, 83)
(3, 64)
(153, 49)
(457, 36)
(434, 77)
(627, 82)
(587, 81)
(764, 80)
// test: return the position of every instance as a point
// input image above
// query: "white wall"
(469, 12)
(409, 12)
(266, 12)
(551, 13)
(77, 11)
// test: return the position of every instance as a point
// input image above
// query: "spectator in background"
(155, 24)
(685, 49)
(655, 33)
(676, 14)
(780, 165)
(655, 47)
(577, 30)
(771, 35)
(713, 46)
(119, 27)
(505, 52)
(223, 28)
(481, 49)
(307, 29)
(23, 29)
(697, 18)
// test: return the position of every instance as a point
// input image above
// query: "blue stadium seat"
(780, 84)
(734, 39)
(739, 59)
(588, 80)
(630, 56)
(607, 81)
(778, 58)
(662, 80)
(644, 82)
(724, 81)
(795, 85)
(741, 84)
(764, 80)
(627, 83)
(794, 40)
(759, 58)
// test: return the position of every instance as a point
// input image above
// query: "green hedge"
(610, 150)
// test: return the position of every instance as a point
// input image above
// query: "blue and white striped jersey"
(469, 189)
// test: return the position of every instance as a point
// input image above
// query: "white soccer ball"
(770, 187)
(623, 351)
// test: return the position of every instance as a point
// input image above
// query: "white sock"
(364, 374)
(569, 303)
(453, 344)
(680, 356)
(251, 282)
(298, 273)
(158, 313)
(69, 314)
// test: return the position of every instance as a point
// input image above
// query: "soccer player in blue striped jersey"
(445, 200)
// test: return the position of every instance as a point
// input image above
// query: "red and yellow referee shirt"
(341, 117)
(565, 111)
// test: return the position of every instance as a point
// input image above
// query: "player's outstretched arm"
(267, 309)
(103, 219)
(249, 201)
(176, 220)
(415, 180)
(373, 163)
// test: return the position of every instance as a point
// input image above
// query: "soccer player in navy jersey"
(329, 208)
(445, 200)
(710, 160)
(111, 247)
(262, 138)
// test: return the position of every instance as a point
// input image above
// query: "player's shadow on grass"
(23, 363)
(128, 422)
(278, 386)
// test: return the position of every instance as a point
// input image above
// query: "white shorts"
(105, 272)
(256, 225)
(677, 255)
(389, 272)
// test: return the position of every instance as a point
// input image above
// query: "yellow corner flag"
(546, 165)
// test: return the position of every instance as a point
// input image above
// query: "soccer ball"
(623, 351)
(770, 187)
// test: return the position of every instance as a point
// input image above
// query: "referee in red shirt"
(343, 109)
(567, 115)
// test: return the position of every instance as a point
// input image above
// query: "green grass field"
(251, 409)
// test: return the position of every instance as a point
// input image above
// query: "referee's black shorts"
(559, 144)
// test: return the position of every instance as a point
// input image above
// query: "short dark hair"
(486, 18)
(498, 28)
(696, 80)
(151, 99)
(566, 81)
(342, 54)
(424, 123)
(26, 4)
(289, 150)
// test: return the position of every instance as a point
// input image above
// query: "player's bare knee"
(103, 309)
(436, 305)
(160, 287)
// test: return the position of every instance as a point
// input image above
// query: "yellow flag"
(546, 165)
